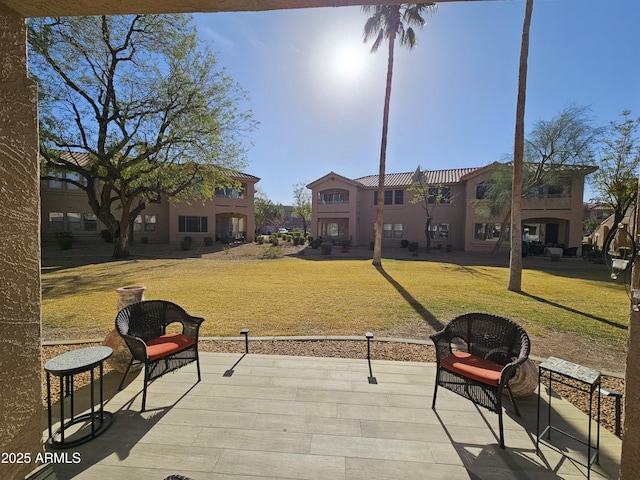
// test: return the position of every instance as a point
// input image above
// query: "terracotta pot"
(121, 355)
(525, 381)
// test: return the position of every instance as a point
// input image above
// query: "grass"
(336, 297)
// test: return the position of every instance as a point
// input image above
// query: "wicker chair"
(477, 354)
(143, 326)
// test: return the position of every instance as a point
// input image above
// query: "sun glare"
(348, 63)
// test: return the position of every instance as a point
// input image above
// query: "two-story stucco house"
(228, 216)
(345, 208)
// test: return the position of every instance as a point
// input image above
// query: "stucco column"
(20, 357)
(629, 465)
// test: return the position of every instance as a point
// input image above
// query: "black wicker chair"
(143, 326)
(477, 354)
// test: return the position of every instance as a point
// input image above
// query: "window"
(145, 223)
(189, 224)
(75, 177)
(150, 223)
(390, 230)
(90, 222)
(56, 221)
(391, 197)
(439, 231)
(334, 229)
(228, 192)
(439, 195)
(74, 222)
(334, 197)
(482, 189)
(489, 232)
(54, 183)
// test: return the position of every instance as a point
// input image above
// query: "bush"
(325, 248)
(274, 240)
(185, 244)
(316, 243)
(106, 235)
(296, 240)
(65, 240)
(404, 243)
(144, 240)
(413, 246)
(260, 240)
(208, 241)
(273, 252)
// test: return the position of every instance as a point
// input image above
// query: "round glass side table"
(77, 429)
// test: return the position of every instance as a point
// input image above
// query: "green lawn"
(336, 297)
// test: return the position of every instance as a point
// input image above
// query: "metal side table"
(89, 425)
(585, 380)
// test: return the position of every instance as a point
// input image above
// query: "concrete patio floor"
(280, 417)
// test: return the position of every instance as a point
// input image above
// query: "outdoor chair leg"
(501, 426)
(435, 392)
(513, 401)
(144, 390)
(125, 374)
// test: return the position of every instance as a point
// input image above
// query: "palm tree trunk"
(515, 261)
(377, 247)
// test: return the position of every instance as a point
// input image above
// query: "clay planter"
(525, 381)
(121, 355)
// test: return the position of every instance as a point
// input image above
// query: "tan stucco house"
(345, 208)
(228, 216)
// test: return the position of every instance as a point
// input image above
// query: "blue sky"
(318, 92)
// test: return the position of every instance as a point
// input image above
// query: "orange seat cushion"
(476, 368)
(167, 344)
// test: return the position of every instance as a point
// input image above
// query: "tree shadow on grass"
(426, 315)
(573, 310)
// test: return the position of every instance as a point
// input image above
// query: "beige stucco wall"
(20, 364)
(239, 207)
(344, 211)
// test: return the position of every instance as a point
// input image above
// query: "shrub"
(106, 235)
(449, 247)
(412, 246)
(208, 241)
(65, 240)
(144, 240)
(316, 242)
(273, 252)
(296, 240)
(274, 240)
(260, 240)
(185, 244)
(404, 243)
(325, 248)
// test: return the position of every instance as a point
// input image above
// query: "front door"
(551, 234)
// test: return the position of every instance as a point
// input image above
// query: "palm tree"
(515, 261)
(389, 22)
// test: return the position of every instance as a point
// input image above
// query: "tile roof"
(82, 159)
(433, 177)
